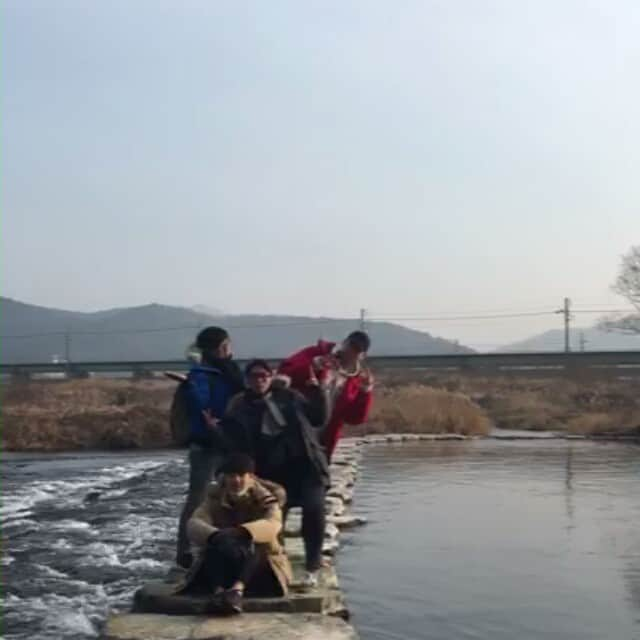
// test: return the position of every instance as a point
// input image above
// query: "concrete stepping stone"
(266, 626)
(295, 548)
(348, 521)
(334, 506)
(159, 597)
(293, 529)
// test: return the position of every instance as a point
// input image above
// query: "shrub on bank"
(85, 414)
(421, 409)
(110, 414)
(116, 414)
(583, 404)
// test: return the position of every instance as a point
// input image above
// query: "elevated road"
(605, 363)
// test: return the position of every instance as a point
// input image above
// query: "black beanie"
(210, 338)
(257, 363)
(239, 463)
(359, 340)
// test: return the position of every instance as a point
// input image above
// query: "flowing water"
(479, 539)
(80, 533)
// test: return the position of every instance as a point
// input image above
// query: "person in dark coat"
(280, 429)
(209, 386)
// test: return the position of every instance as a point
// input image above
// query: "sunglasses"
(259, 375)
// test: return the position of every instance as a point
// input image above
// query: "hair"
(210, 338)
(255, 364)
(239, 463)
(359, 340)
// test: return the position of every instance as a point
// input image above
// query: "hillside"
(160, 332)
(596, 340)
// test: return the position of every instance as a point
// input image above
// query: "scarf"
(272, 422)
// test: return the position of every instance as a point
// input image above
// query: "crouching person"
(235, 531)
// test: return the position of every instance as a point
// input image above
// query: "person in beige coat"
(234, 533)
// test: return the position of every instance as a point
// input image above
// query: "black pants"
(310, 496)
(223, 567)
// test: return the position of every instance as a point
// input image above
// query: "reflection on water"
(497, 540)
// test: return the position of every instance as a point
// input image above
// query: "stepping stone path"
(305, 614)
(311, 614)
(265, 626)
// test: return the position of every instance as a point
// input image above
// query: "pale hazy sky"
(317, 157)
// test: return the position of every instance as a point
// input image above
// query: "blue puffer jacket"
(210, 387)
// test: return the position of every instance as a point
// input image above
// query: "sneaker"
(310, 580)
(232, 601)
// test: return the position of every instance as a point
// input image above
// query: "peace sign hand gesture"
(367, 380)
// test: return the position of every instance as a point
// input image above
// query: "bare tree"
(627, 284)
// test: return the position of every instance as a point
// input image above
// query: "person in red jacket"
(350, 384)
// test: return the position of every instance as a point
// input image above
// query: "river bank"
(101, 414)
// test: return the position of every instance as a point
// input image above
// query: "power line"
(476, 312)
(494, 316)
(604, 310)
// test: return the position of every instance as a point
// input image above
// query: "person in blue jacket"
(210, 385)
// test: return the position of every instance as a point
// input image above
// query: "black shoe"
(232, 601)
(216, 605)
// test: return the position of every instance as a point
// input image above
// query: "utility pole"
(67, 347)
(363, 315)
(566, 312)
(567, 319)
(583, 341)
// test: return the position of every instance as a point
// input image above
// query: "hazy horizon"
(594, 339)
(441, 158)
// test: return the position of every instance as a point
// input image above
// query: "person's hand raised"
(210, 420)
(367, 379)
(312, 380)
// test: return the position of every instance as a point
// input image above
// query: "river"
(480, 539)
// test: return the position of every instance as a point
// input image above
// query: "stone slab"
(346, 477)
(349, 521)
(246, 627)
(327, 577)
(334, 506)
(158, 597)
(293, 528)
(295, 548)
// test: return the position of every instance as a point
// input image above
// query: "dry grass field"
(119, 414)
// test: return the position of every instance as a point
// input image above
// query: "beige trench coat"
(259, 511)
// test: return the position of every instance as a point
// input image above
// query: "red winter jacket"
(352, 405)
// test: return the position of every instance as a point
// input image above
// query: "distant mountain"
(595, 340)
(207, 310)
(29, 333)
